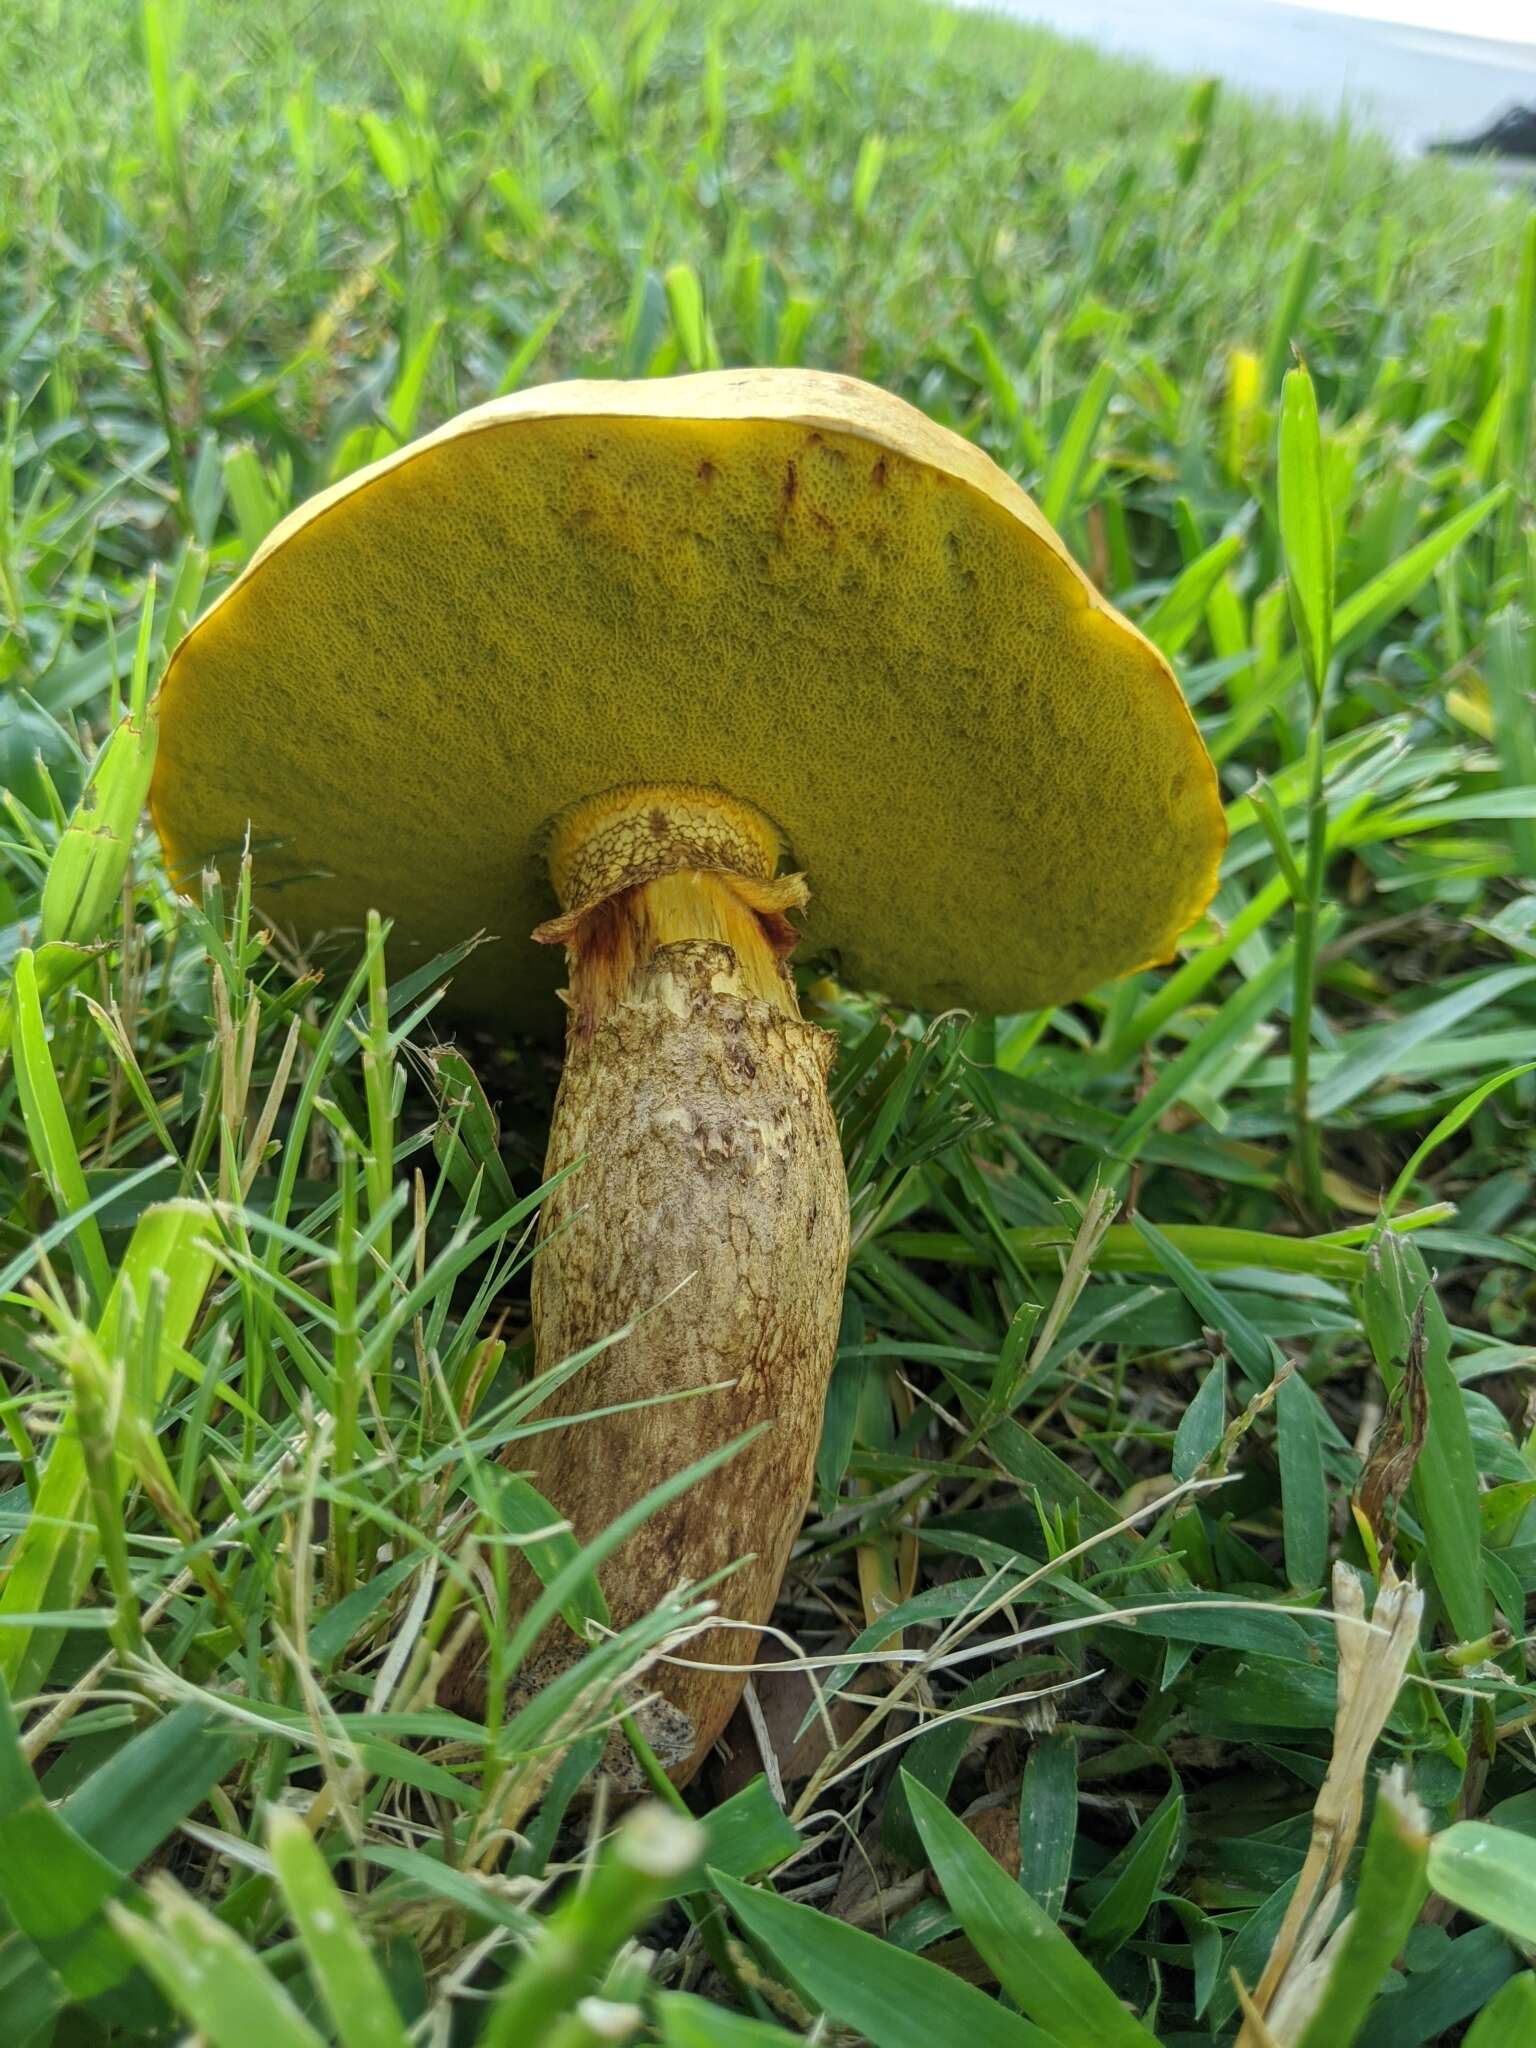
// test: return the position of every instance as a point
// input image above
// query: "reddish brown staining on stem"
(779, 935)
(601, 946)
(611, 942)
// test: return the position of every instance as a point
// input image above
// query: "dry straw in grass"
(1373, 1661)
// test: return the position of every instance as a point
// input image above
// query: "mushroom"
(590, 667)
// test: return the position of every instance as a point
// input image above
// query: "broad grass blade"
(1036, 1963)
(896, 2000)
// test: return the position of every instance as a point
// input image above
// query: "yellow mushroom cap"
(788, 585)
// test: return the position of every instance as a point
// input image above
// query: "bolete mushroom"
(587, 668)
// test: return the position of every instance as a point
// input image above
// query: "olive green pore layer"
(989, 779)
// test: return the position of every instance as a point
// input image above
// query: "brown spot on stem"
(779, 932)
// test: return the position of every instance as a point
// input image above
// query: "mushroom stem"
(711, 1205)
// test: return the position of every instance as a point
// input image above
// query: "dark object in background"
(1512, 134)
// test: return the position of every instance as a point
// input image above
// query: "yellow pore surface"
(786, 585)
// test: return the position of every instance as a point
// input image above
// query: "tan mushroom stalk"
(712, 1205)
(609, 668)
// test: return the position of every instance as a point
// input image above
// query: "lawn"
(1175, 1518)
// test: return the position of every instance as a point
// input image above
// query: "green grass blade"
(688, 2022)
(1290, 310)
(894, 1999)
(1306, 525)
(1254, 1354)
(743, 1836)
(55, 1888)
(652, 1848)
(1519, 377)
(467, 1137)
(1489, 1871)
(1303, 1483)
(1447, 1127)
(1036, 1963)
(549, 1547)
(866, 175)
(1048, 1820)
(1125, 1901)
(160, 57)
(685, 297)
(1393, 1884)
(91, 861)
(1362, 613)
(210, 1975)
(523, 358)
(1509, 2021)
(1353, 1075)
(1198, 1247)
(1407, 1329)
(47, 1124)
(1074, 451)
(1511, 675)
(1176, 616)
(129, 1804)
(170, 1259)
(348, 1979)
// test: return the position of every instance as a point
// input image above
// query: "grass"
(1136, 1390)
